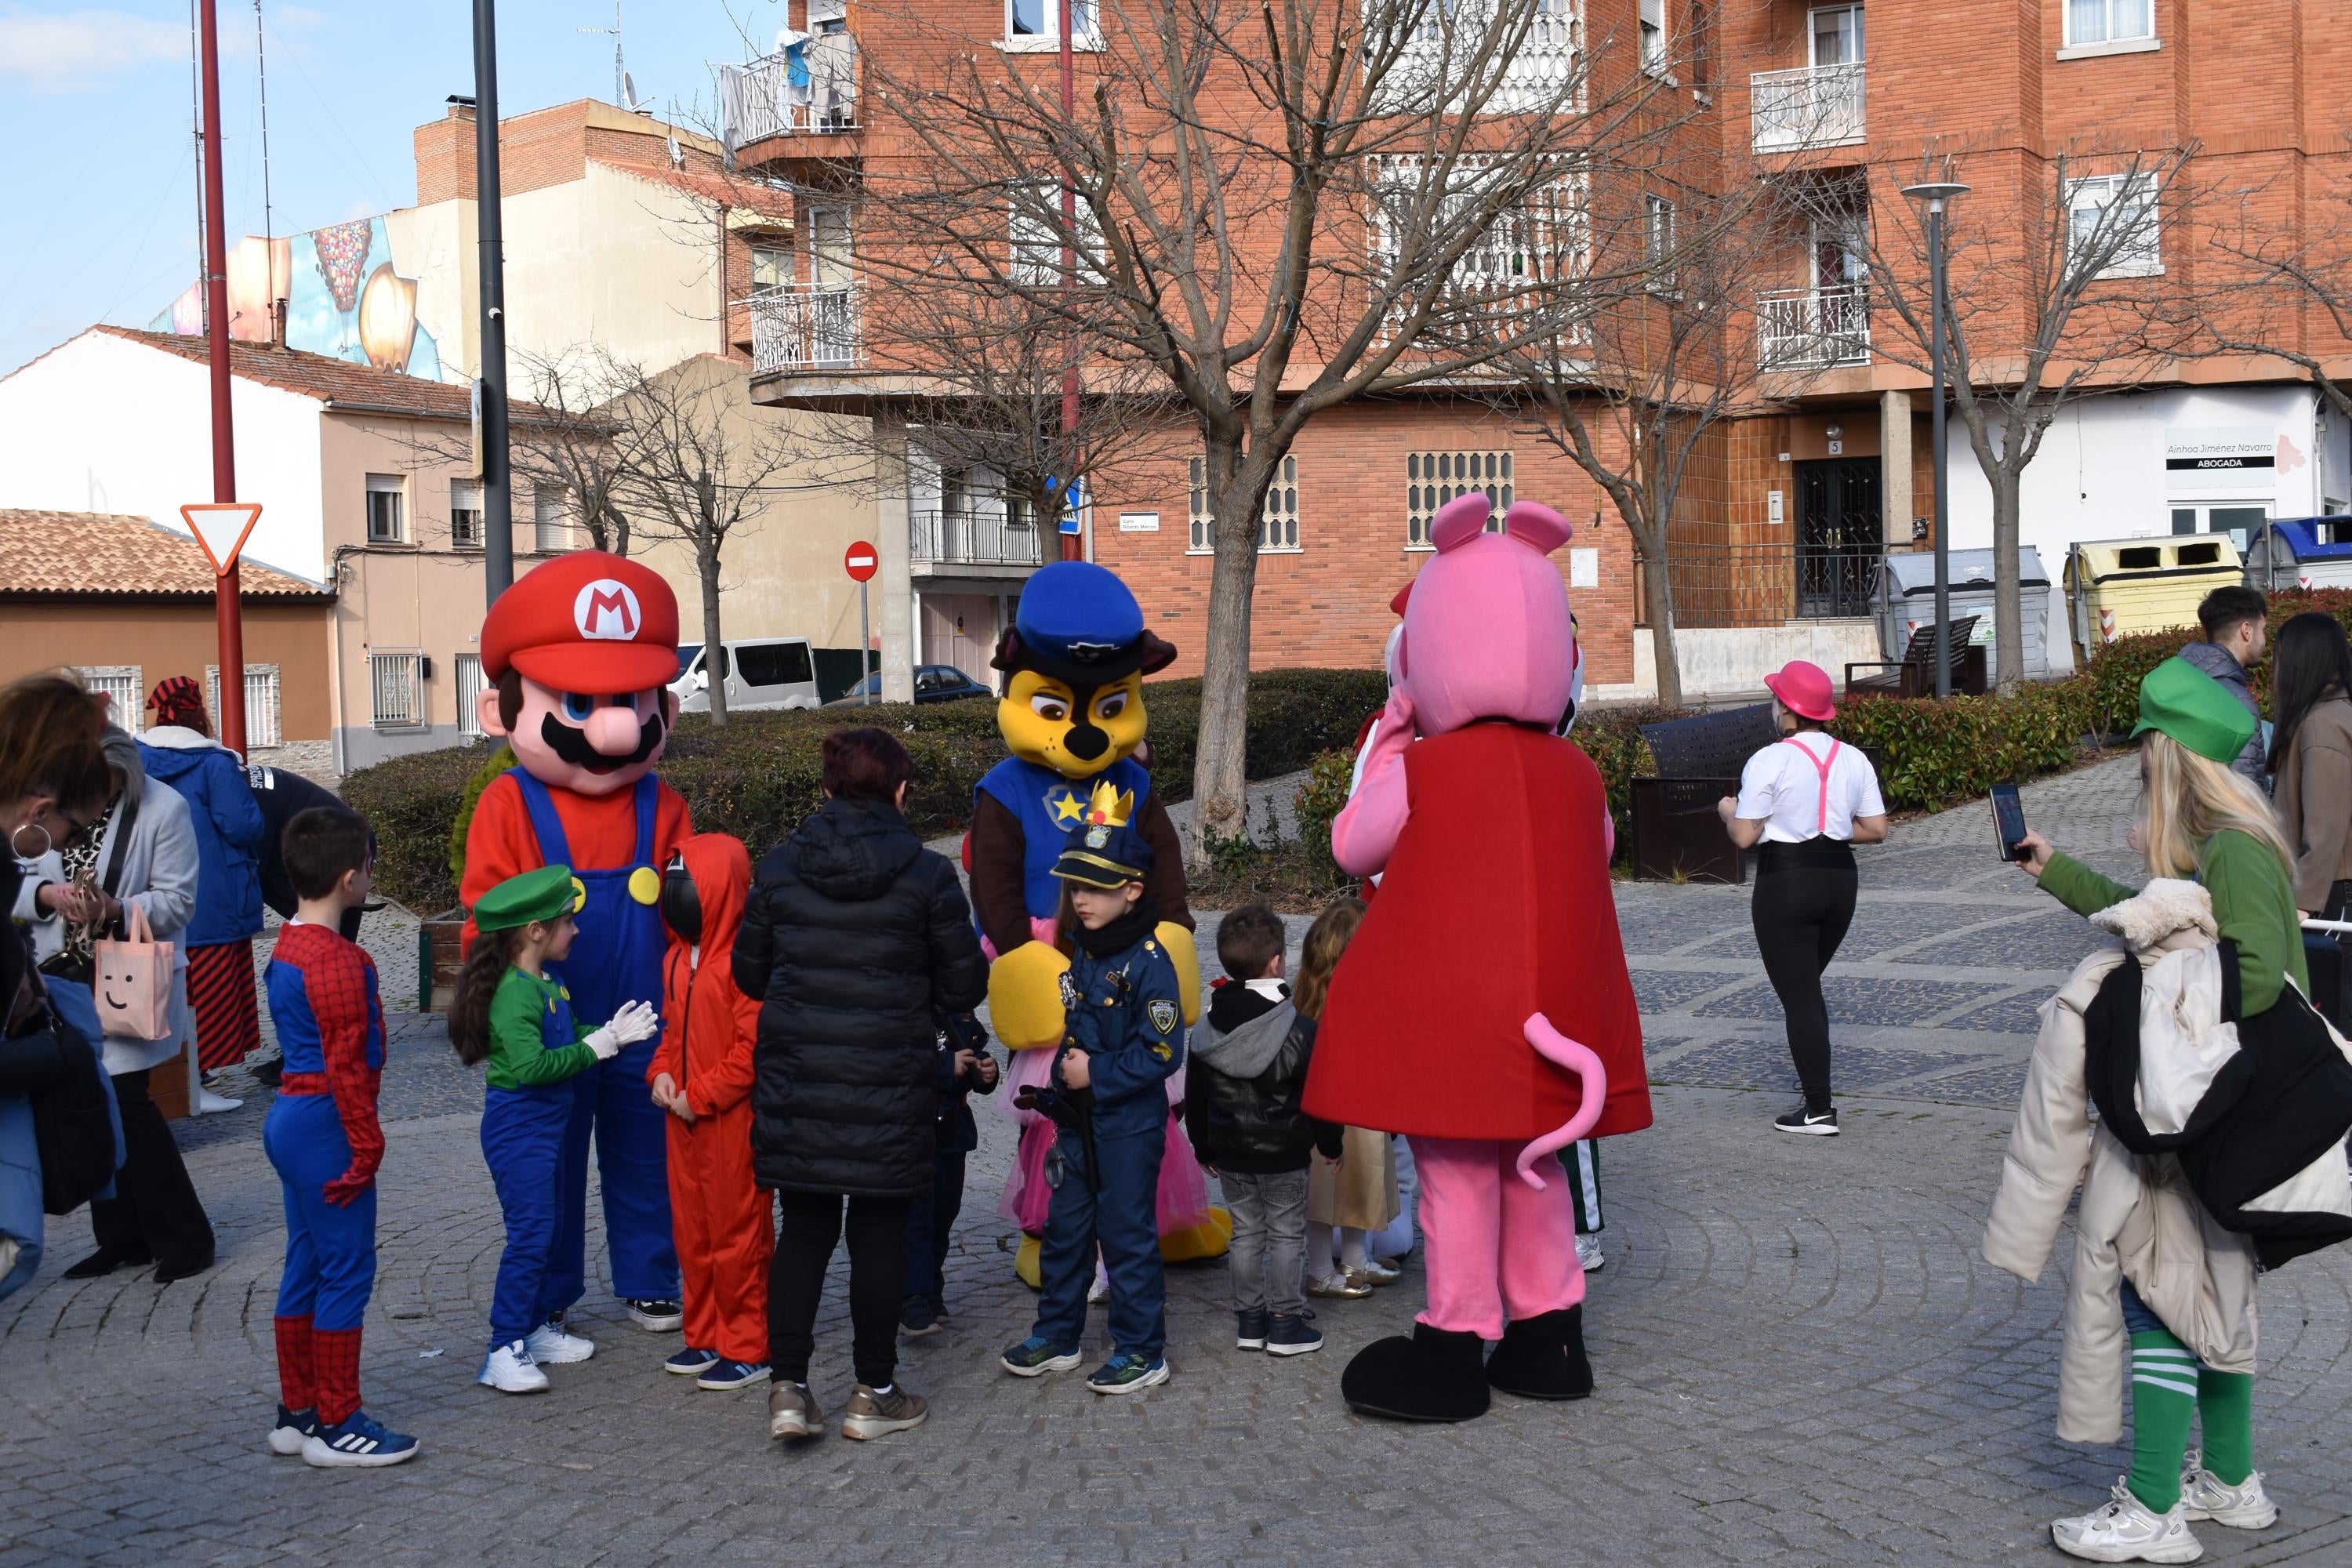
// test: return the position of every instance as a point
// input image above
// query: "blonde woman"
(2198, 820)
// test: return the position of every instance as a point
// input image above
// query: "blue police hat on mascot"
(1078, 623)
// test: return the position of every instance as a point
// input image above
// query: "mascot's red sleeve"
(600, 829)
(1432, 997)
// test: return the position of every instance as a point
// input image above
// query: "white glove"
(635, 1021)
(603, 1042)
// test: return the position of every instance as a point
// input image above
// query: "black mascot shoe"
(1543, 1358)
(1433, 1377)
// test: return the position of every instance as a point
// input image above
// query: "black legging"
(1804, 903)
(809, 1224)
(155, 1211)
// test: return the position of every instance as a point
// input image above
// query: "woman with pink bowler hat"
(1808, 799)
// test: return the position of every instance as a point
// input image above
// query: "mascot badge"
(1071, 716)
(576, 661)
(1484, 1009)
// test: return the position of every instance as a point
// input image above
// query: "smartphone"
(2008, 821)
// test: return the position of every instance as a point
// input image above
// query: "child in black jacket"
(965, 1068)
(1243, 1086)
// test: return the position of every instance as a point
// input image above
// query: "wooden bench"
(1675, 830)
(1914, 675)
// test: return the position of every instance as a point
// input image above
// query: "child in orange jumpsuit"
(702, 1076)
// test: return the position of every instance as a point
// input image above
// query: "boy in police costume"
(1125, 1040)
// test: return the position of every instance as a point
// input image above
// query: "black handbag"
(73, 1129)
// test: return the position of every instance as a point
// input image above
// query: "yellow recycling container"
(2118, 586)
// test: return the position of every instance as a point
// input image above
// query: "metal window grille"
(1204, 522)
(469, 692)
(397, 690)
(1433, 478)
(385, 523)
(1278, 526)
(125, 689)
(262, 714)
(465, 514)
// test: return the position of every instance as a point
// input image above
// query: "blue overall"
(616, 958)
(1047, 806)
(525, 1137)
(329, 1247)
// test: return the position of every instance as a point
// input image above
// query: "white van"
(763, 672)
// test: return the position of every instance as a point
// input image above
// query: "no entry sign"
(862, 561)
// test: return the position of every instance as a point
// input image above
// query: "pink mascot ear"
(1459, 521)
(1534, 523)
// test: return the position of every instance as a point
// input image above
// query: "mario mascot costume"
(1484, 1009)
(576, 661)
(1072, 715)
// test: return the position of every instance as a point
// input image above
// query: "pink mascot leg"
(1462, 1212)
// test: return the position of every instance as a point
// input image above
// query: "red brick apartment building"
(2040, 105)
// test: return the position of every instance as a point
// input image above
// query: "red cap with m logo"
(585, 622)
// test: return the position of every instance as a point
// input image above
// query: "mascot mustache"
(571, 745)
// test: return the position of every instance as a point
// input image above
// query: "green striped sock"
(2164, 1401)
(2225, 1408)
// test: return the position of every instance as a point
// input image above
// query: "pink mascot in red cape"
(1484, 1009)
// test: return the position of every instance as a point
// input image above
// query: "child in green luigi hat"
(2200, 820)
(510, 1014)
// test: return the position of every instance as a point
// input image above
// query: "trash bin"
(1906, 599)
(2118, 586)
(2301, 553)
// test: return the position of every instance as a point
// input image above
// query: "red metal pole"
(1073, 545)
(225, 588)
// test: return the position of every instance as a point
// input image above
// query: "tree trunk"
(1658, 605)
(1219, 791)
(715, 662)
(2007, 619)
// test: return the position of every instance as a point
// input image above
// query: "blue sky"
(95, 105)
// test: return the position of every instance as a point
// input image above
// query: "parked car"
(761, 672)
(933, 683)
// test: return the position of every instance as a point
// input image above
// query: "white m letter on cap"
(607, 611)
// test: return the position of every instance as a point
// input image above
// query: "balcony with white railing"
(974, 537)
(1812, 329)
(805, 326)
(1811, 107)
(809, 89)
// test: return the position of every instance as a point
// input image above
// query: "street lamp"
(1935, 192)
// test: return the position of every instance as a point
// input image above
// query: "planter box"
(439, 956)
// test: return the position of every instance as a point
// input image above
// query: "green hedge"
(760, 776)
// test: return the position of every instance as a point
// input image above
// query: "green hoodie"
(2253, 905)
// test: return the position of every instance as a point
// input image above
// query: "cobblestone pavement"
(1801, 1360)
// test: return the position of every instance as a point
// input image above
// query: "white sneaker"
(509, 1370)
(2204, 1495)
(550, 1345)
(2126, 1529)
(211, 1104)
(1588, 1252)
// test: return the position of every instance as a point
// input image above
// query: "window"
(2113, 218)
(1043, 19)
(385, 521)
(1837, 35)
(1204, 537)
(550, 524)
(470, 695)
(1702, 45)
(1653, 36)
(397, 690)
(771, 267)
(1658, 241)
(1433, 478)
(773, 663)
(261, 704)
(1277, 527)
(2108, 21)
(827, 16)
(828, 245)
(1036, 231)
(465, 514)
(123, 687)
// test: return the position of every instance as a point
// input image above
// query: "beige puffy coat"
(2138, 1220)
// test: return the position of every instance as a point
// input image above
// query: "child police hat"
(2195, 710)
(1104, 855)
(545, 895)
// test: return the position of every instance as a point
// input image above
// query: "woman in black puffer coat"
(855, 934)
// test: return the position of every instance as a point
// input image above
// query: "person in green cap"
(2201, 820)
(509, 1013)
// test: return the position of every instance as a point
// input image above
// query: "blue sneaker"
(1250, 1332)
(359, 1441)
(1038, 1355)
(1290, 1335)
(1127, 1373)
(691, 1362)
(733, 1374)
(287, 1433)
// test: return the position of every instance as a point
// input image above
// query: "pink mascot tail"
(1559, 1049)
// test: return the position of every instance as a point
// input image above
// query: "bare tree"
(1275, 207)
(570, 444)
(2293, 283)
(2055, 290)
(696, 461)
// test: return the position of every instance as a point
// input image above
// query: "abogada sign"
(2242, 461)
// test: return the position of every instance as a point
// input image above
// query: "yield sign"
(222, 528)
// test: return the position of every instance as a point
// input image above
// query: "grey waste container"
(1907, 599)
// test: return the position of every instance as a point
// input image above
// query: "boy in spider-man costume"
(325, 1143)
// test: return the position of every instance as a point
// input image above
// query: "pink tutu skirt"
(1183, 1196)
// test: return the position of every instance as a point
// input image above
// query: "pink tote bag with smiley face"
(133, 983)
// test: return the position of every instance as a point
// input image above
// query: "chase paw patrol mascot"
(1072, 715)
(576, 661)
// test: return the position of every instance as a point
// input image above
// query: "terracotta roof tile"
(329, 379)
(72, 554)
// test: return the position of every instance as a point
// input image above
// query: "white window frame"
(780, 276)
(1086, 28)
(1435, 478)
(551, 530)
(1650, 21)
(125, 685)
(2140, 258)
(264, 703)
(1202, 535)
(397, 487)
(466, 670)
(1033, 250)
(390, 670)
(832, 266)
(1277, 522)
(460, 492)
(1813, 35)
(1658, 219)
(2108, 40)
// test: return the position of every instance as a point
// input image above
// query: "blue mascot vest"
(1047, 806)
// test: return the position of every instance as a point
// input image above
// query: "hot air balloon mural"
(345, 293)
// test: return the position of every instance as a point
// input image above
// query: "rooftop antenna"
(620, 78)
(261, 65)
(196, 127)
